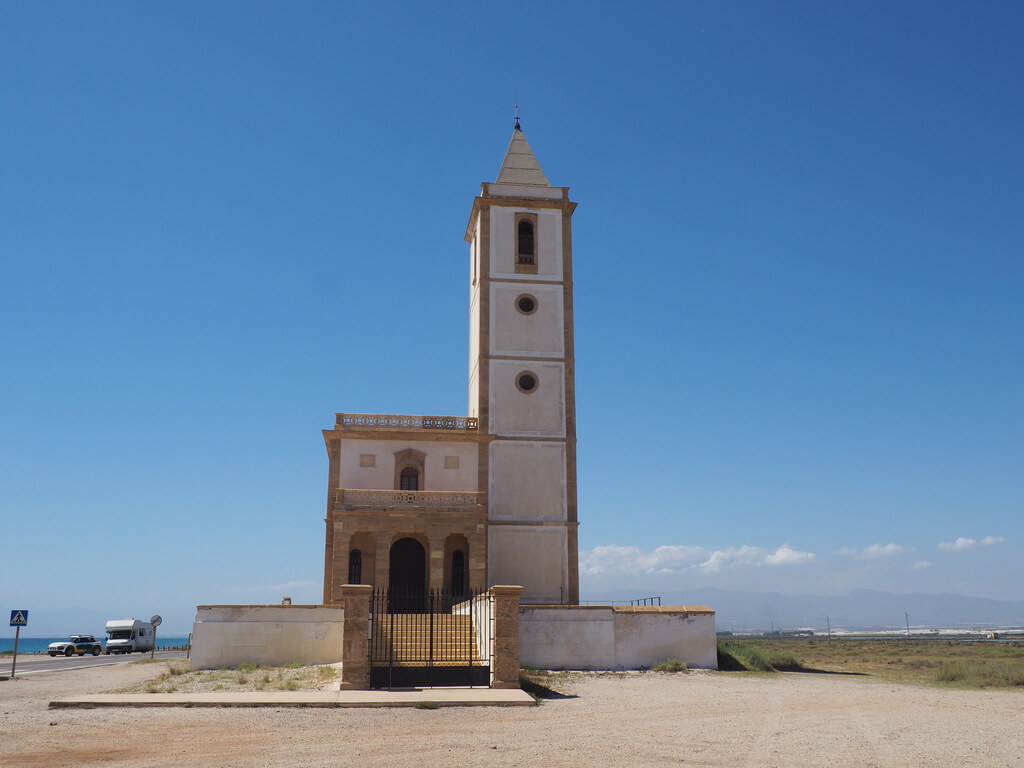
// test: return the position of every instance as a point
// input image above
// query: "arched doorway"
(407, 571)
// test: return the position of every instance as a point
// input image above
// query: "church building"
(451, 541)
(461, 503)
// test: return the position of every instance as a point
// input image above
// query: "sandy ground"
(695, 719)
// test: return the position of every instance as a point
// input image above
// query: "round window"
(526, 382)
(526, 304)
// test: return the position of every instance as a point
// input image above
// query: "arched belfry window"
(526, 253)
(355, 567)
(526, 242)
(410, 479)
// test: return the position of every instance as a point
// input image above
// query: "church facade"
(461, 503)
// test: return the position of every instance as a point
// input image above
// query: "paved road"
(34, 664)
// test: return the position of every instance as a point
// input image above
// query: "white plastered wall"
(229, 635)
(474, 351)
(527, 481)
(474, 322)
(540, 413)
(540, 334)
(603, 637)
(531, 556)
(503, 242)
(382, 475)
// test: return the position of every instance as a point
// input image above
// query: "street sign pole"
(19, 619)
(155, 621)
(14, 660)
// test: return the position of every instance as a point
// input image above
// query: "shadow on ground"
(541, 691)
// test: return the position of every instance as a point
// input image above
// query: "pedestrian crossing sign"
(19, 618)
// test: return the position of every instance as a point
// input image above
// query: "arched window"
(458, 573)
(410, 470)
(355, 567)
(526, 252)
(410, 479)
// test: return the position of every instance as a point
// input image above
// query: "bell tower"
(522, 376)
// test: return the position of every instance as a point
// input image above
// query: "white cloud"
(677, 559)
(964, 543)
(875, 551)
(785, 555)
(920, 565)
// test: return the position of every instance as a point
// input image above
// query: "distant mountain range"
(861, 609)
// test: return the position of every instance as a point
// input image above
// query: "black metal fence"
(431, 638)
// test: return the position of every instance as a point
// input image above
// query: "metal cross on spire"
(517, 116)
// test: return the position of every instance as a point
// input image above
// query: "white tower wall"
(522, 377)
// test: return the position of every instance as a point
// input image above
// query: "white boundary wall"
(229, 635)
(616, 637)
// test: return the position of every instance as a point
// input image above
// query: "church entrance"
(430, 639)
(407, 576)
(427, 637)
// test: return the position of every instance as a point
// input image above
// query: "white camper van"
(127, 635)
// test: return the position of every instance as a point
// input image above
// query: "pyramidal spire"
(520, 165)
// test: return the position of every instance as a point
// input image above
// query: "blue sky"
(798, 264)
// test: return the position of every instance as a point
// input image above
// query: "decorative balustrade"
(348, 497)
(387, 421)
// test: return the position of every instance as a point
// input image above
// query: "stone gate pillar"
(355, 651)
(505, 654)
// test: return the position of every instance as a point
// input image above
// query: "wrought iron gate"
(431, 638)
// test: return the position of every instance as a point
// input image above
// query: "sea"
(40, 644)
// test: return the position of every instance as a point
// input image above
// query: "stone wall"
(229, 635)
(616, 637)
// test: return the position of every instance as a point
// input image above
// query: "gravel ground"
(694, 719)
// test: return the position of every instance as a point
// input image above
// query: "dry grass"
(178, 677)
(945, 662)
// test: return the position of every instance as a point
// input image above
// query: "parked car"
(80, 644)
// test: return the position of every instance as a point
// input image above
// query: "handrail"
(374, 498)
(656, 600)
(402, 421)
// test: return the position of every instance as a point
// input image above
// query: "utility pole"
(828, 624)
(906, 617)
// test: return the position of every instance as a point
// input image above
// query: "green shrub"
(736, 656)
(670, 665)
(978, 674)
